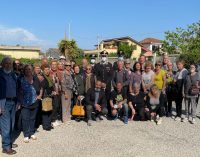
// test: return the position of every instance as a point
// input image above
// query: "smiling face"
(28, 70)
(7, 64)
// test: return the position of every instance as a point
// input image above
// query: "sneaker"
(177, 119)
(54, 124)
(125, 120)
(185, 120)
(26, 139)
(58, 122)
(33, 137)
(89, 123)
(193, 121)
(159, 121)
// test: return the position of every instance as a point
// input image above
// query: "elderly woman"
(154, 104)
(136, 102)
(31, 93)
(67, 85)
(190, 96)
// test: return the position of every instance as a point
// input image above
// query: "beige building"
(20, 52)
(111, 46)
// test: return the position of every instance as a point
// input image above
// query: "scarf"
(50, 81)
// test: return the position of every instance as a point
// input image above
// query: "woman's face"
(148, 68)
(76, 70)
(179, 66)
(170, 66)
(154, 91)
(28, 71)
(192, 68)
(158, 66)
(60, 66)
(138, 66)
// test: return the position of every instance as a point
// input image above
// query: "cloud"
(14, 36)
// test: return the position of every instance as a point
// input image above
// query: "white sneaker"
(33, 137)
(54, 124)
(177, 119)
(26, 139)
(58, 122)
(193, 121)
(185, 120)
(159, 121)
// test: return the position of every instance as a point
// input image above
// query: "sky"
(43, 23)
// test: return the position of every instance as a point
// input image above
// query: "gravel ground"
(114, 139)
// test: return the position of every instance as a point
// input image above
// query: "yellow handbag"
(78, 110)
(47, 104)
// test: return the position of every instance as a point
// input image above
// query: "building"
(152, 44)
(53, 53)
(21, 52)
(111, 46)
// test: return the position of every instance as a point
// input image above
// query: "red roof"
(147, 53)
(150, 41)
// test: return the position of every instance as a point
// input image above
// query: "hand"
(98, 107)
(66, 96)
(120, 104)
(146, 109)
(41, 78)
(79, 98)
(39, 97)
(53, 93)
(153, 114)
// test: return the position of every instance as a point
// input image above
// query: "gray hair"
(5, 59)
(136, 85)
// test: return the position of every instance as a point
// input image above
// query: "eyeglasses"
(88, 69)
(68, 65)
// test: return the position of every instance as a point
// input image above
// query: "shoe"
(193, 121)
(177, 119)
(159, 121)
(115, 117)
(185, 120)
(125, 120)
(26, 139)
(54, 124)
(9, 151)
(89, 123)
(14, 145)
(58, 122)
(98, 119)
(33, 137)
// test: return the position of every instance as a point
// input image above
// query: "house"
(53, 53)
(21, 51)
(111, 46)
(152, 44)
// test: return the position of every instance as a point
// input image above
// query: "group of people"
(115, 91)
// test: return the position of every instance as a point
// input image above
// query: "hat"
(93, 56)
(62, 57)
(104, 53)
(127, 61)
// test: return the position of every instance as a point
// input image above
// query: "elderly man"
(8, 98)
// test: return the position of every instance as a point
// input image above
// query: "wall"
(30, 54)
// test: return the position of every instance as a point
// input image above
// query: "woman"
(67, 85)
(179, 81)
(154, 104)
(170, 88)
(89, 78)
(136, 76)
(147, 77)
(136, 101)
(31, 93)
(47, 85)
(190, 96)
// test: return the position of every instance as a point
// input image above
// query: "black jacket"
(90, 98)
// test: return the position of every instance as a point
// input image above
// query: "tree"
(183, 40)
(126, 49)
(69, 48)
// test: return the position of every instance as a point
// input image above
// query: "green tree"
(126, 49)
(69, 48)
(183, 40)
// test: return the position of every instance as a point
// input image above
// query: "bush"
(190, 57)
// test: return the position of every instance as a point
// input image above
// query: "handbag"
(78, 110)
(47, 104)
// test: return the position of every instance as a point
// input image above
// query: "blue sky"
(43, 22)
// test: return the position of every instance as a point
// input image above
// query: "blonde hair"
(154, 87)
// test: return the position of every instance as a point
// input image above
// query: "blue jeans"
(124, 110)
(28, 121)
(7, 121)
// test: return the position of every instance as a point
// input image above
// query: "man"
(121, 75)
(56, 96)
(118, 103)
(104, 72)
(93, 61)
(84, 63)
(96, 101)
(142, 61)
(8, 98)
(120, 58)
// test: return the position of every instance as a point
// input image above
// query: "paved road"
(114, 139)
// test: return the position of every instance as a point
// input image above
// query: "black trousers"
(57, 109)
(90, 109)
(46, 119)
(178, 102)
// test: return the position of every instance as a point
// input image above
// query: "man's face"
(37, 70)
(179, 66)
(120, 65)
(127, 65)
(76, 70)
(165, 60)
(84, 63)
(46, 71)
(98, 85)
(136, 89)
(7, 65)
(142, 60)
(54, 66)
(119, 87)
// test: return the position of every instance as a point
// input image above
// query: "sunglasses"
(158, 64)
(88, 69)
(68, 65)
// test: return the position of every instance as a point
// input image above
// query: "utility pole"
(69, 32)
